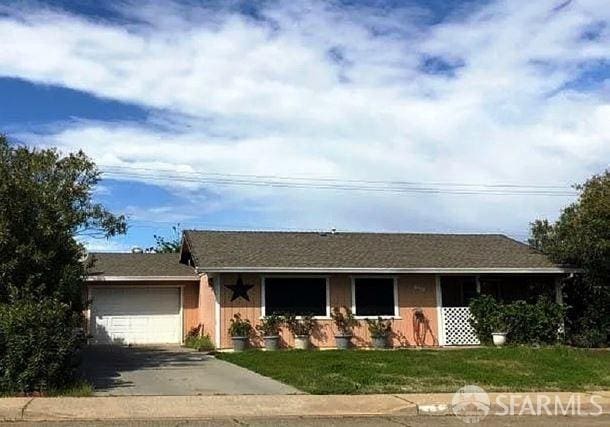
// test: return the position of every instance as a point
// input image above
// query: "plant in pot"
(301, 328)
(240, 331)
(499, 329)
(345, 322)
(270, 329)
(380, 329)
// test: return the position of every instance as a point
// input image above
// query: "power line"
(318, 183)
(329, 179)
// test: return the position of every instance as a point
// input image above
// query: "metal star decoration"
(240, 290)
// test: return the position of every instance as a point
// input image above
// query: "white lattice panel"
(457, 329)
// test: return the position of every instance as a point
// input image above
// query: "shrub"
(197, 340)
(537, 323)
(345, 323)
(587, 313)
(303, 326)
(524, 323)
(40, 346)
(200, 343)
(240, 327)
(379, 327)
(270, 325)
(485, 312)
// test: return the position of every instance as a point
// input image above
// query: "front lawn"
(415, 371)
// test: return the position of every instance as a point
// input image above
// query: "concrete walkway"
(170, 371)
(223, 407)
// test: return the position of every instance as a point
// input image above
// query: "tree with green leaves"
(581, 238)
(171, 244)
(46, 204)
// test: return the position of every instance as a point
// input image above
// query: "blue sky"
(430, 116)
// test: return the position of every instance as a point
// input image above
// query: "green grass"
(79, 389)
(203, 343)
(426, 371)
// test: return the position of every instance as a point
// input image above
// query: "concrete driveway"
(169, 371)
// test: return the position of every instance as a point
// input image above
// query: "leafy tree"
(581, 237)
(46, 203)
(170, 244)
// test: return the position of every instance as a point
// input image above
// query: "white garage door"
(136, 315)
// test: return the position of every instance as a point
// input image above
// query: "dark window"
(510, 288)
(295, 295)
(458, 291)
(374, 296)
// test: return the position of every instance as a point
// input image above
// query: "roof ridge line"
(414, 233)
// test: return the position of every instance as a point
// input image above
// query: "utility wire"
(317, 183)
(327, 179)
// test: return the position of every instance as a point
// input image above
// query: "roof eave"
(433, 270)
(140, 278)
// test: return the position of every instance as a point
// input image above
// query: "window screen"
(458, 291)
(374, 296)
(295, 295)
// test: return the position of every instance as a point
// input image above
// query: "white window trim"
(396, 307)
(439, 311)
(217, 326)
(326, 278)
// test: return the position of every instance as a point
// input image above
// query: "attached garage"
(138, 299)
(136, 315)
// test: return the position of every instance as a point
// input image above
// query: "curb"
(584, 408)
(434, 409)
(202, 407)
(282, 406)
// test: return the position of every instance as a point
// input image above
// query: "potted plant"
(380, 330)
(301, 328)
(345, 323)
(240, 331)
(499, 330)
(270, 329)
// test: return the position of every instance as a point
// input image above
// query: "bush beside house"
(196, 339)
(523, 323)
(39, 345)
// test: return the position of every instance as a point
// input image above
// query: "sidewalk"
(251, 406)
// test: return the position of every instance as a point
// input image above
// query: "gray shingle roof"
(145, 265)
(275, 250)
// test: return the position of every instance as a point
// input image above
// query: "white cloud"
(317, 92)
(105, 245)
